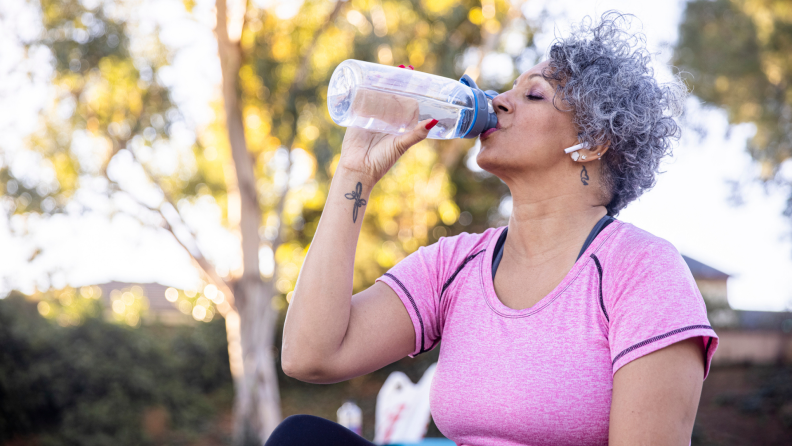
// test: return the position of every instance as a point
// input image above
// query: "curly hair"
(603, 75)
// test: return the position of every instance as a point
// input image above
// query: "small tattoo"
(584, 178)
(358, 201)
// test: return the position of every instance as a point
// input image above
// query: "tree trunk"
(257, 401)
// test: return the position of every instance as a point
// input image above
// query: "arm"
(655, 397)
(330, 335)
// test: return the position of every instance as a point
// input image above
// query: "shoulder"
(645, 266)
(629, 244)
(634, 255)
(465, 245)
(443, 256)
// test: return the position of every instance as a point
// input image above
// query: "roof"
(702, 271)
(153, 291)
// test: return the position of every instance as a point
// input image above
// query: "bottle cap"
(484, 119)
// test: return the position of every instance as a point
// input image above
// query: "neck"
(551, 223)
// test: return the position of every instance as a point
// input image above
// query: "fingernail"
(411, 67)
(431, 124)
(402, 66)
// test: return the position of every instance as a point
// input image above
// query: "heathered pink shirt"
(544, 375)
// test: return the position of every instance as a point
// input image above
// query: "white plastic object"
(576, 147)
(393, 100)
(351, 417)
(402, 414)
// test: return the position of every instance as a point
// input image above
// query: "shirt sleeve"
(416, 280)
(653, 302)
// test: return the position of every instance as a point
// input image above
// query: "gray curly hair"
(603, 75)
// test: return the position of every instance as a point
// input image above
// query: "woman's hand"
(372, 154)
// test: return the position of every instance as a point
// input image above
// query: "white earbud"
(573, 150)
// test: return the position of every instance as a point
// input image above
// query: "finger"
(418, 134)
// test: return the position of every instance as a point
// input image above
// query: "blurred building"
(160, 309)
(713, 287)
(752, 337)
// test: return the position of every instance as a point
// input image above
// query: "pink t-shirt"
(544, 375)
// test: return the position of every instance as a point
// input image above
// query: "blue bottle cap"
(483, 119)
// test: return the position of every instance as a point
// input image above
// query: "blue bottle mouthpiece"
(485, 117)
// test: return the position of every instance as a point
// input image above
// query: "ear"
(592, 154)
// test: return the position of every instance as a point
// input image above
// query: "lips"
(487, 133)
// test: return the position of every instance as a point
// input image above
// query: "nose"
(501, 104)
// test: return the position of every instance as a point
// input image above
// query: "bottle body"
(393, 100)
(351, 417)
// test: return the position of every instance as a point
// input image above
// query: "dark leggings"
(307, 430)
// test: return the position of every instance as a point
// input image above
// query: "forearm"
(319, 313)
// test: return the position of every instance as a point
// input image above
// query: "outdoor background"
(164, 164)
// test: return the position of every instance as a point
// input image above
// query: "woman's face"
(532, 133)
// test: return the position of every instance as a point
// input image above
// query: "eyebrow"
(529, 77)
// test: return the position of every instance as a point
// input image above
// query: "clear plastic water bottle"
(393, 100)
(351, 417)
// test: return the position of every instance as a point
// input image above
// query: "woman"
(604, 344)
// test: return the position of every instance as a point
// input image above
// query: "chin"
(504, 163)
(488, 160)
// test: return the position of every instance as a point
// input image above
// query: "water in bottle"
(393, 100)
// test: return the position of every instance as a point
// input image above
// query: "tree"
(275, 75)
(738, 53)
(268, 163)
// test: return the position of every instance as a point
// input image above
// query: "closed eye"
(534, 97)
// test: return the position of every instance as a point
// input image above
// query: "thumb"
(418, 134)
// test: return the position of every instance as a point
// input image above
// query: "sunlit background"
(122, 206)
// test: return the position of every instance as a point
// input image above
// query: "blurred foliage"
(128, 306)
(284, 107)
(739, 55)
(100, 383)
(110, 99)
(198, 304)
(107, 98)
(69, 306)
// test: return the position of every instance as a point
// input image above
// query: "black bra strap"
(498, 254)
(601, 224)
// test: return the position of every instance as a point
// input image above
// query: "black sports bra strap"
(498, 254)
(601, 224)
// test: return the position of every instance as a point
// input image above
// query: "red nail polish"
(431, 124)
(411, 67)
(402, 66)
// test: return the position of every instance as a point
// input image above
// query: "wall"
(755, 347)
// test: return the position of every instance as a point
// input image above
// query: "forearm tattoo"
(584, 177)
(358, 201)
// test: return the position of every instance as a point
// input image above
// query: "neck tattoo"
(584, 176)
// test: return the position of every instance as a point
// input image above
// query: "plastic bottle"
(351, 417)
(393, 100)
